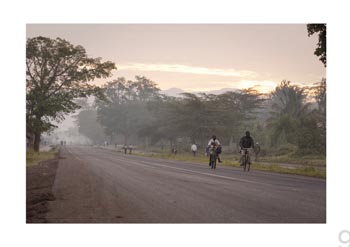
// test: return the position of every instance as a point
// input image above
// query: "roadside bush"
(310, 138)
(284, 150)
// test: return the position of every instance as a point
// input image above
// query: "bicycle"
(246, 159)
(212, 159)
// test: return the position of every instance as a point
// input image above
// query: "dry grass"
(34, 158)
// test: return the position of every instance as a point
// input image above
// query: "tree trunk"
(30, 141)
(37, 141)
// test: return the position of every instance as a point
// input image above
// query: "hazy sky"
(199, 57)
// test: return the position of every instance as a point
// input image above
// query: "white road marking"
(75, 156)
(154, 165)
(187, 170)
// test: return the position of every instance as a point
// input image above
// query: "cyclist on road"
(216, 143)
(246, 142)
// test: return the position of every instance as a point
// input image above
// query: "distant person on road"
(175, 150)
(194, 149)
(256, 150)
(246, 142)
(217, 146)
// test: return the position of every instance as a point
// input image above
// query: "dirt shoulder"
(39, 182)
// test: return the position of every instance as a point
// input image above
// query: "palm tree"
(289, 99)
(288, 105)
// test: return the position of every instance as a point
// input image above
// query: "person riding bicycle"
(217, 146)
(245, 142)
(212, 153)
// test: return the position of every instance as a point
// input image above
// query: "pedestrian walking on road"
(256, 150)
(194, 149)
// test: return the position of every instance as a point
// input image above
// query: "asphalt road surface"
(95, 185)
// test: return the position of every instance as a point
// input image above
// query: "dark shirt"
(246, 142)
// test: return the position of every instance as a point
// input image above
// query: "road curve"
(95, 185)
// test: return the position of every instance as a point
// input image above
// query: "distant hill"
(222, 90)
(172, 91)
(177, 91)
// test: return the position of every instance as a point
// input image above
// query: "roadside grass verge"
(34, 158)
(233, 160)
(311, 160)
(305, 171)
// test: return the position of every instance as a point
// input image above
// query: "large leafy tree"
(234, 112)
(321, 49)
(57, 72)
(165, 113)
(89, 127)
(199, 116)
(125, 113)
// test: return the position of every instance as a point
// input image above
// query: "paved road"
(102, 186)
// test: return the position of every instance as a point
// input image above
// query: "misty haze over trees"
(134, 112)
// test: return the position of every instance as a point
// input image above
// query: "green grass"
(233, 160)
(291, 159)
(306, 171)
(34, 158)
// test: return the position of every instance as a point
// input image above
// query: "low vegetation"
(34, 158)
(306, 171)
(233, 160)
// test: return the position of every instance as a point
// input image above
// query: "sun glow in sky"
(180, 68)
(199, 57)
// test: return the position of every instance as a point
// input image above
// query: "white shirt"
(194, 147)
(216, 141)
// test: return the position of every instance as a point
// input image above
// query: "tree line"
(58, 75)
(289, 115)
